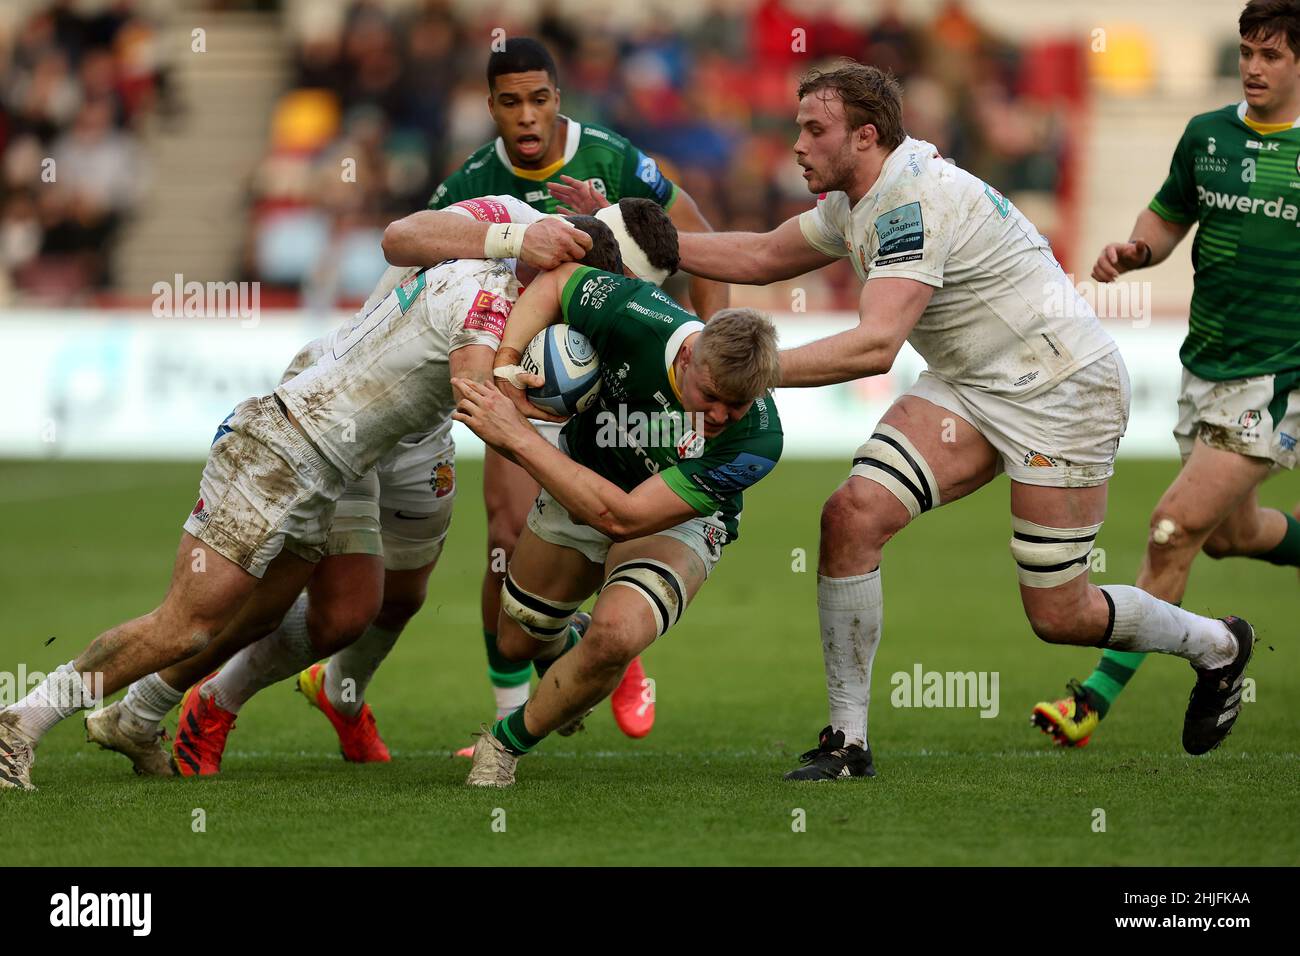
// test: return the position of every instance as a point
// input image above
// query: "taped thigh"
(355, 528)
(657, 582)
(890, 460)
(1048, 557)
(539, 617)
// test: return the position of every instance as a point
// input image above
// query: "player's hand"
(551, 242)
(1119, 257)
(488, 413)
(577, 196)
(513, 380)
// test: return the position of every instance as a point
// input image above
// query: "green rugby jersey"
(1243, 187)
(616, 168)
(638, 427)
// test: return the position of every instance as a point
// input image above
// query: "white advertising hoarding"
(129, 385)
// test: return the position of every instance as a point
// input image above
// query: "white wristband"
(504, 240)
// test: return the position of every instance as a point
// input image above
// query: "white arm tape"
(510, 373)
(504, 240)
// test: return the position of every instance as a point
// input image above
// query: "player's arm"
(887, 312)
(1153, 240)
(751, 258)
(473, 363)
(538, 307)
(592, 500)
(707, 296)
(434, 235)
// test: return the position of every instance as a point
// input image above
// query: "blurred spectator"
(72, 96)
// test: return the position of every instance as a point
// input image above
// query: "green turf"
(740, 695)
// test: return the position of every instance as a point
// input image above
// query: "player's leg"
(416, 495)
(203, 723)
(1230, 434)
(508, 494)
(1210, 506)
(1054, 533)
(921, 455)
(206, 589)
(340, 601)
(132, 726)
(648, 584)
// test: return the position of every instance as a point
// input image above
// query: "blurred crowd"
(385, 101)
(74, 89)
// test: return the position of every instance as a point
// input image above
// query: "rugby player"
(640, 498)
(1014, 384)
(1236, 172)
(277, 466)
(537, 144)
(384, 541)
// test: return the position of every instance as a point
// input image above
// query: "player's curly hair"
(1263, 19)
(653, 231)
(738, 346)
(604, 252)
(869, 94)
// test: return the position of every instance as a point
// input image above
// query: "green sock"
(571, 638)
(514, 735)
(1287, 551)
(502, 672)
(1112, 673)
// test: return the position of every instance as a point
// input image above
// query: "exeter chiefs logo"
(443, 480)
(1036, 459)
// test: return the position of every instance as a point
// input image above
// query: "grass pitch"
(740, 694)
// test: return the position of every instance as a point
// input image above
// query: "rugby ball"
(566, 359)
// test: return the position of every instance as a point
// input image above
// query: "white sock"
(510, 699)
(1145, 623)
(147, 702)
(357, 663)
(60, 695)
(280, 655)
(850, 611)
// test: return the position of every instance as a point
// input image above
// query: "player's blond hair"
(738, 346)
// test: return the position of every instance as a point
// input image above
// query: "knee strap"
(1047, 557)
(540, 618)
(660, 585)
(890, 460)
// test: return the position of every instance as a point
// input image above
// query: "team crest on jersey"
(690, 445)
(443, 478)
(1250, 418)
(1036, 459)
(488, 313)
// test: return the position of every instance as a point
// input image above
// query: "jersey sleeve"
(591, 301)
(915, 234)
(643, 179)
(817, 229)
(472, 315)
(496, 209)
(707, 482)
(1176, 201)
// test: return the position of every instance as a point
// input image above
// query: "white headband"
(634, 256)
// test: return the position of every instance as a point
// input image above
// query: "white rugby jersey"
(1004, 318)
(385, 375)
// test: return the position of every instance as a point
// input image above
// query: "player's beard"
(839, 173)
